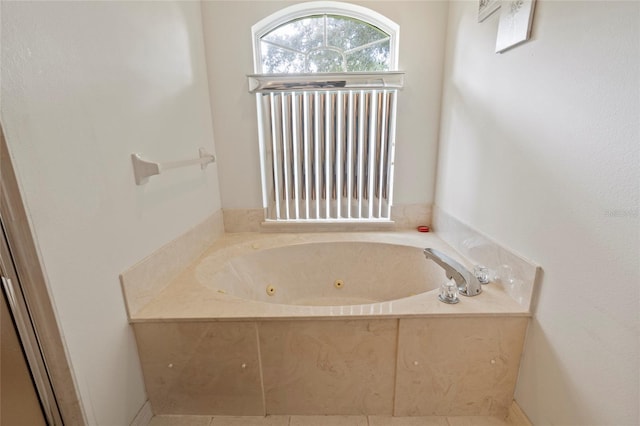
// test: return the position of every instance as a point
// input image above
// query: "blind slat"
(330, 155)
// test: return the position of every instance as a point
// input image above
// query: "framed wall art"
(514, 26)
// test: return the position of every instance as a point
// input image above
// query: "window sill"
(261, 83)
(327, 226)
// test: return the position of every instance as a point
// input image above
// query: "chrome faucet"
(467, 283)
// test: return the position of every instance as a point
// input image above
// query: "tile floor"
(325, 421)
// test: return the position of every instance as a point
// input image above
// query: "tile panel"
(458, 366)
(328, 367)
(201, 367)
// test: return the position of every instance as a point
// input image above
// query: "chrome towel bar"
(143, 169)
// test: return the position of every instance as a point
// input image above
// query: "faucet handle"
(449, 292)
(481, 273)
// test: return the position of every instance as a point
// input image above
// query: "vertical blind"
(327, 153)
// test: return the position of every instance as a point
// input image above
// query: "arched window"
(325, 37)
(326, 83)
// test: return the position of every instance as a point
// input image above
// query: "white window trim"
(302, 10)
(260, 83)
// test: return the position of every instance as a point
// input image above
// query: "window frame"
(307, 9)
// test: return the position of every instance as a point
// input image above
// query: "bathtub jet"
(468, 284)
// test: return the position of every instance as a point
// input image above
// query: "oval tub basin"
(326, 274)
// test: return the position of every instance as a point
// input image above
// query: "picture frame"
(486, 8)
(514, 26)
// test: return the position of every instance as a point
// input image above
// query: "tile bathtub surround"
(517, 275)
(410, 216)
(402, 367)
(144, 280)
(404, 216)
(204, 351)
(243, 220)
(201, 292)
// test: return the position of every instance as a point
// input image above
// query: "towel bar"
(143, 169)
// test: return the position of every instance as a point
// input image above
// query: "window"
(326, 84)
(325, 43)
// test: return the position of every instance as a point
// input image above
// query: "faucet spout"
(467, 283)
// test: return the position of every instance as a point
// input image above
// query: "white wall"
(85, 84)
(540, 150)
(227, 28)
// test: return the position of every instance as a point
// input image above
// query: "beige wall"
(227, 28)
(85, 84)
(539, 150)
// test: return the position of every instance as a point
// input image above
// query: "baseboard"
(517, 417)
(143, 418)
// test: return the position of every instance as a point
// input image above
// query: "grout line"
(264, 397)
(395, 370)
